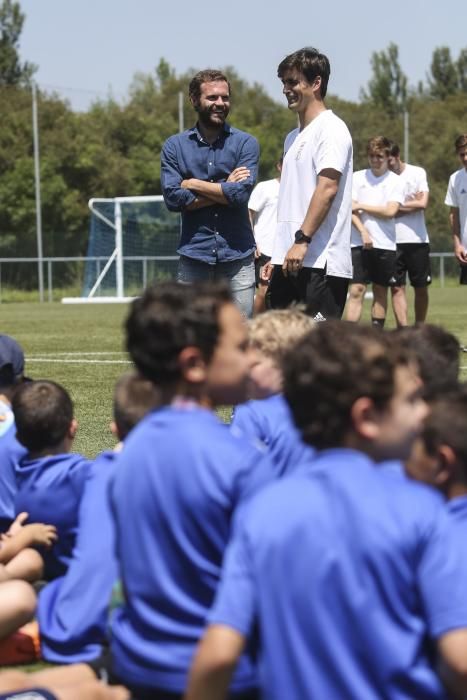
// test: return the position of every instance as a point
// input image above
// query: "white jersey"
(411, 228)
(263, 201)
(369, 189)
(324, 143)
(456, 196)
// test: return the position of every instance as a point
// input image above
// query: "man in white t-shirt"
(262, 207)
(413, 247)
(377, 194)
(456, 198)
(311, 261)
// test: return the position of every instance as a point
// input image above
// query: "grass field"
(81, 346)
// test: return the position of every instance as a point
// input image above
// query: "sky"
(90, 49)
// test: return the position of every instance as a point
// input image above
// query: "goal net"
(132, 241)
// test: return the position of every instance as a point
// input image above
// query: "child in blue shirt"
(73, 609)
(182, 477)
(347, 570)
(266, 417)
(50, 480)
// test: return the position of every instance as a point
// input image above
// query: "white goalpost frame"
(117, 254)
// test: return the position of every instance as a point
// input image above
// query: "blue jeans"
(240, 274)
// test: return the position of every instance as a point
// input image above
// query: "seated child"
(11, 376)
(18, 559)
(73, 609)
(267, 416)
(50, 480)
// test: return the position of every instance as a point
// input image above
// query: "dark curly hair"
(311, 63)
(205, 76)
(327, 371)
(446, 425)
(169, 317)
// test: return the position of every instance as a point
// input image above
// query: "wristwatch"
(300, 237)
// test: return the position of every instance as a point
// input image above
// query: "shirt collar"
(194, 132)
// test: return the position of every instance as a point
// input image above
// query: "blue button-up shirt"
(216, 233)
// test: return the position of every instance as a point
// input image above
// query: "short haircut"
(437, 352)
(394, 149)
(169, 317)
(274, 332)
(329, 369)
(460, 142)
(205, 76)
(378, 143)
(311, 63)
(446, 425)
(43, 414)
(134, 397)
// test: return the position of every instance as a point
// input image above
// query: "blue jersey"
(73, 609)
(180, 478)
(348, 585)
(270, 421)
(11, 451)
(50, 490)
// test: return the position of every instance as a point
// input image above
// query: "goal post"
(131, 241)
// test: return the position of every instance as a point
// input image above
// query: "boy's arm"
(454, 221)
(452, 648)
(214, 663)
(365, 236)
(320, 204)
(383, 211)
(417, 202)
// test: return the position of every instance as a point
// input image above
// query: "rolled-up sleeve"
(238, 193)
(176, 197)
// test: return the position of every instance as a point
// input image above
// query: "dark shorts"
(323, 295)
(31, 694)
(413, 258)
(259, 263)
(463, 274)
(374, 265)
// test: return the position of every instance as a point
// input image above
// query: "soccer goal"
(132, 241)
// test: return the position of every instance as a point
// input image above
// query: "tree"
(387, 88)
(12, 72)
(443, 80)
(461, 65)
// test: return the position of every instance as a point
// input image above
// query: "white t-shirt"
(369, 189)
(456, 196)
(263, 201)
(324, 143)
(411, 228)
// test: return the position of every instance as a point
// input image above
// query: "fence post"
(441, 271)
(49, 278)
(145, 272)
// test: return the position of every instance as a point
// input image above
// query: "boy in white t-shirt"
(456, 198)
(262, 208)
(413, 247)
(377, 195)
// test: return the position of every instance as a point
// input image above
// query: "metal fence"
(444, 267)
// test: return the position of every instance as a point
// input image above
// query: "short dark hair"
(460, 142)
(378, 143)
(169, 317)
(437, 352)
(446, 425)
(43, 413)
(205, 76)
(394, 149)
(329, 369)
(311, 63)
(134, 397)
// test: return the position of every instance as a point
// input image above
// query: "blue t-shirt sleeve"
(245, 422)
(235, 601)
(176, 197)
(442, 577)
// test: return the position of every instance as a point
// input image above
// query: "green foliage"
(12, 72)
(387, 89)
(444, 78)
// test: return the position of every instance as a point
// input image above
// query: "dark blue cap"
(11, 360)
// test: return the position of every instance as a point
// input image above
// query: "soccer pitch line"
(80, 358)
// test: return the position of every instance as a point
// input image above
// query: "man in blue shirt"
(207, 174)
(352, 574)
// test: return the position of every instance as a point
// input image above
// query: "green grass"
(56, 338)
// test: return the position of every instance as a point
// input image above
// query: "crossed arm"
(383, 211)
(209, 193)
